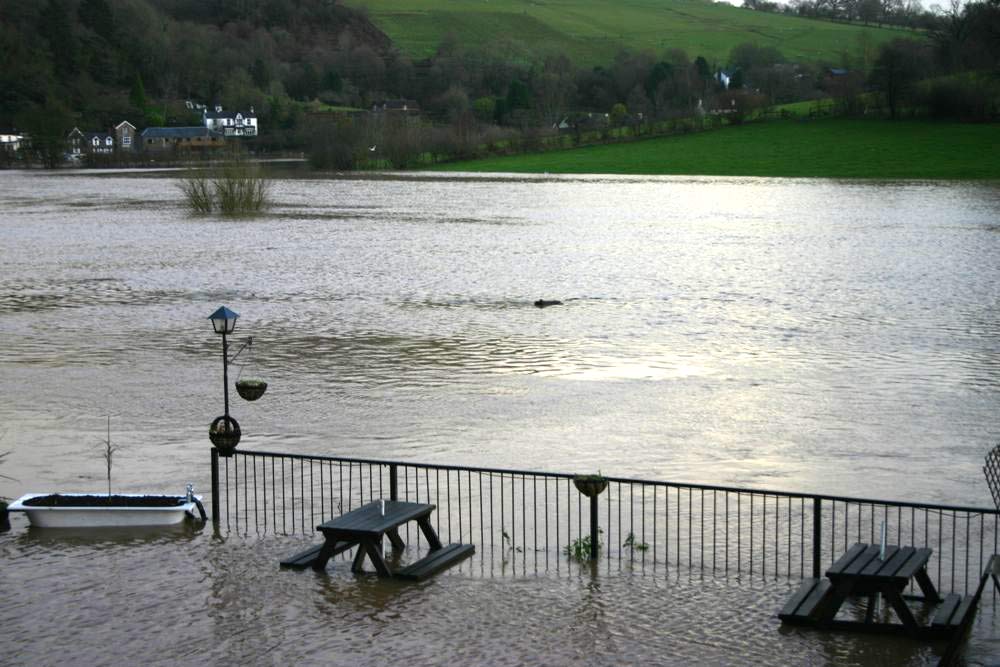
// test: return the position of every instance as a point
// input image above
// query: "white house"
(100, 143)
(11, 141)
(231, 123)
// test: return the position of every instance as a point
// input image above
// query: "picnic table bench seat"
(305, 559)
(804, 605)
(436, 561)
(952, 612)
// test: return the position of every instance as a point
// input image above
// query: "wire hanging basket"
(590, 485)
(252, 388)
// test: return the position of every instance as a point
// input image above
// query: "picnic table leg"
(930, 593)
(397, 542)
(835, 597)
(905, 615)
(428, 530)
(359, 558)
(870, 611)
(374, 549)
(319, 565)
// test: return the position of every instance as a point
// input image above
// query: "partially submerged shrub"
(197, 191)
(240, 189)
(236, 188)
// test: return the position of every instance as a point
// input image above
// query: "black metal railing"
(533, 519)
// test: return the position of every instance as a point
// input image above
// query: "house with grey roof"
(179, 138)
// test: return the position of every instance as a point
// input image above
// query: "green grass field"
(591, 32)
(825, 149)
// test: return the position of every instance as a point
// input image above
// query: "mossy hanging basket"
(590, 485)
(250, 390)
(225, 435)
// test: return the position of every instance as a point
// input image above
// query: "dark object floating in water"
(542, 303)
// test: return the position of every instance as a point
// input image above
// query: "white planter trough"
(91, 510)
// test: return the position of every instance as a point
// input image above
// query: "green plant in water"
(634, 545)
(197, 190)
(579, 549)
(240, 189)
(235, 188)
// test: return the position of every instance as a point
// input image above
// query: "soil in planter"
(58, 500)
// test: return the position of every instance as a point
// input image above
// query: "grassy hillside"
(593, 31)
(827, 149)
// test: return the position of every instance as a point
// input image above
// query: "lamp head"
(223, 320)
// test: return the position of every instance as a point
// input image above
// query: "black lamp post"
(224, 431)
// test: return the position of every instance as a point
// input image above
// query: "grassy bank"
(593, 31)
(832, 148)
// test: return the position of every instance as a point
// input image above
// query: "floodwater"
(185, 597)
(818, 336)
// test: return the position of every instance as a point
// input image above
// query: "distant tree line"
(902, 13)
(313, 68)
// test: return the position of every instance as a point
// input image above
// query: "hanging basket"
(225, 435)
(590, 485)
(250, 390)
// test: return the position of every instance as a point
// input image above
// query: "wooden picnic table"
(864, 570)
(366, 528)
(861, 571)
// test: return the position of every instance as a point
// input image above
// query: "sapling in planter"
(109, 453)
(98, 510)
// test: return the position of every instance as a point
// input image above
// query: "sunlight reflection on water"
(768, 332)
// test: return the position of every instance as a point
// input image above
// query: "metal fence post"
(215, 486)
(393, 482)
(593, 528)
(817, 535)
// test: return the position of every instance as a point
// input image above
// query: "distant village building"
(167, 138)
(125, 136)
(11, 141)
(119, 139)
(231, 123)
(74, 144)
(99, 143)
